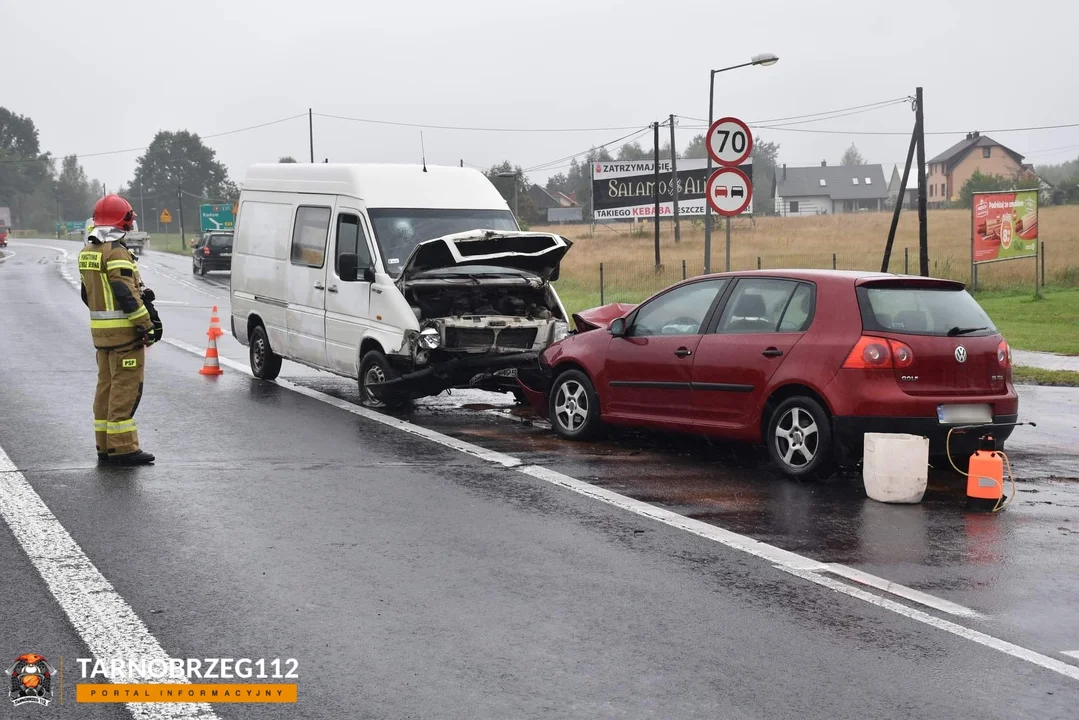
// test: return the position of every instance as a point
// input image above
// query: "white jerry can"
(895, 467)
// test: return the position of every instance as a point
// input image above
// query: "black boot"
(139, 457)
(103, 458)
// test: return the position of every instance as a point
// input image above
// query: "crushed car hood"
(600, 317)
(538, 253)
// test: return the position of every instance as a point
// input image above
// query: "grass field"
(1048, 324)
(1037, 376)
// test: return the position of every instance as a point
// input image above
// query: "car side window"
(756, 305)
(681, 311)
(799, 313)
(309, 236)
(351, 239)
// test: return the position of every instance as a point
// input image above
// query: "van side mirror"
(347, 266)
(369, 274)
(617, 327)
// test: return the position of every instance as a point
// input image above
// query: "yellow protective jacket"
(110, 288)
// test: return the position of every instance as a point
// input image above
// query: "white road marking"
(783, 560)
(411, 428)
(902, 591)
(1071, 653)
(104, 621)
(8, 256)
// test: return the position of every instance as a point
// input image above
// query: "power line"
(884, 103)
(428, 126)
(638, 132)
(139, 149)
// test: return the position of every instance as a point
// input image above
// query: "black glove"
(144, 335)
(148, 296)
(158, 328)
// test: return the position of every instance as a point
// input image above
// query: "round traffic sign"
(729, 191)
(729, 141)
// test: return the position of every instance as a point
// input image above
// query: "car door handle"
(319, 286)
(772, 352)
(332, 288)
(683, 352)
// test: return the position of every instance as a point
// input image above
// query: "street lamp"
(762, 59)
(514, 176)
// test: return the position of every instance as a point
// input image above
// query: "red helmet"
(114, 211)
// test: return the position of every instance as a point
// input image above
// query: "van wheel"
(375, 368)
(574, 406)
(799, 438)
(265, 363)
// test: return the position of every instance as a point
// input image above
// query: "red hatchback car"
(804, 361)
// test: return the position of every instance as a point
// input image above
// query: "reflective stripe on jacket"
(110, 290)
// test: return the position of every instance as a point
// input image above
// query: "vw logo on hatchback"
(961, 354)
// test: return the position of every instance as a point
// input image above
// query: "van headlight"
(561, 330)
(429, 338)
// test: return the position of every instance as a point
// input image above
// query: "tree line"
(176, 170)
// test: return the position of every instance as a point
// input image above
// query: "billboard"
(1004, 225)
(626, 190)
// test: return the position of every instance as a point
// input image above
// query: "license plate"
(226, 254)
(964, 414)
(508, 372)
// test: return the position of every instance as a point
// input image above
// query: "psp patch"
(130, 363)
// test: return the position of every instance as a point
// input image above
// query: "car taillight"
(206, 250)
(879, 353)
(1004, 354)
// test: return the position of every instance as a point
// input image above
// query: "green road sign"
(70, 227)
(217, 217)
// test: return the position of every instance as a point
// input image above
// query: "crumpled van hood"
(538, 253)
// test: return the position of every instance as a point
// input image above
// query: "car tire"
(573, 406)
(265, 363)
(202, 269)
(194, 268)
(375, 367)
(799, 438)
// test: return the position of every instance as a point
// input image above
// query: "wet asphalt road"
(431, 584)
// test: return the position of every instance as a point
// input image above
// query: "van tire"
(800, 422)
(265, 363)
(375, 364)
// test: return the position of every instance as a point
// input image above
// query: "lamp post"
(762, 59)
(514, 176)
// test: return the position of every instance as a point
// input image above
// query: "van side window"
(351, 239)
(309, 236)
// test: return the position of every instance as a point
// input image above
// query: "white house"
(827, 190)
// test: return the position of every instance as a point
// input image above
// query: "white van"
(411, 280)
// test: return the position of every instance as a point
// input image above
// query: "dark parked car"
(804, 361)
(213, 251)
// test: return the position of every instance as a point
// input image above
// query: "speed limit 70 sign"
(729, 141)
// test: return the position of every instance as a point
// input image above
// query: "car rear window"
(922, 311)
(221, 241)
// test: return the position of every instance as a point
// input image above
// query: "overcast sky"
(106, 75)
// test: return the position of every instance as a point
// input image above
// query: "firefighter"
(123, 323)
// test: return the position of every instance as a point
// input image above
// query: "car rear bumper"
(214, 263)
(849, 431)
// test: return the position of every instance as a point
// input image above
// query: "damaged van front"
(484, 307)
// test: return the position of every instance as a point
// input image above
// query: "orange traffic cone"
(215, 324)
(210, 366)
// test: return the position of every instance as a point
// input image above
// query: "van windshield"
(399, 231)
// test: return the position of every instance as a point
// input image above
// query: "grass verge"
(1038, 376)
(1046, 324)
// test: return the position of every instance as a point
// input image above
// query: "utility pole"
(142, 204)
(674, 182)
(923, 230)
(180, 200)
(655, 187)
(462, 162)
(56, 194)
(311, 132)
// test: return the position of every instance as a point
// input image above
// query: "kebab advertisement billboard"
(1004, 225)
(625, 190)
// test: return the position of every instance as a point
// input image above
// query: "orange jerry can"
(985, 477)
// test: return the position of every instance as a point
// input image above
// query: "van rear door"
(306, 314)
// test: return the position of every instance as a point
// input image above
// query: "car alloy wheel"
(571, 406)
(797, 438)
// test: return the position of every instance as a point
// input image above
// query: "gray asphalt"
(412, 580)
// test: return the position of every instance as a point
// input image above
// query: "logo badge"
(31, 679)
(961, 354)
